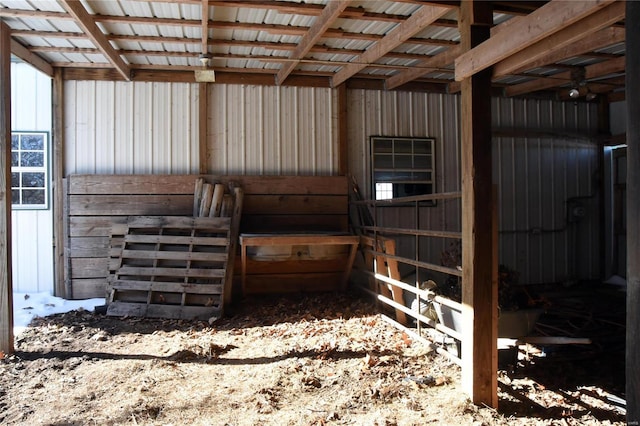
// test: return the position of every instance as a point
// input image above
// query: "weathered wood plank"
(170, 272)
(169, 287)
(292, 283)
(89, 267)
(93, 226)
(257, 267)
(173, 255)
(125, 205)
(292, 223)
(162, 311)
(177, 240)
(89, 288)
(296, 204)
(220, 224)
(88, 247)
(6, 287)
(296, 239)
(184, 184)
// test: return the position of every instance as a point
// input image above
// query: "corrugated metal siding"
(537, 177)
(272, 130)
(137, 128)
(32, 230)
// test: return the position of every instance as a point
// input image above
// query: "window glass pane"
(33, 180)
(383, 161)
(382, 145)
(33, 142)
(14, 141)
(15, 196)
(404, 162)
(32, 159)
(15, 180)
(403, 146)
(421, 147)
(33, 196)
(14, 159)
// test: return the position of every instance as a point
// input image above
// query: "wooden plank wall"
(271, 204)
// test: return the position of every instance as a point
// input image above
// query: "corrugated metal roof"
(144, 29)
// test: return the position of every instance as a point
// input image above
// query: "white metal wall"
(130, 128)
(32, 230)
(272, 130)
(537, 177)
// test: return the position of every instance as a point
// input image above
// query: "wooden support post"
(6, 288)
(343, 147)
(479, 288)
(632, 26)
(203, 122)
(58, 172)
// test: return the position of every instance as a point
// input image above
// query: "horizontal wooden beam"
(565, 37)
(423, 67)
(523, 31)
(420, 19)
(325, 19)
(600, 69)
(31, 58)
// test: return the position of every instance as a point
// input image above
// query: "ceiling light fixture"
(574, 93)
(205, 75)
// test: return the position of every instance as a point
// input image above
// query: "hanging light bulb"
(590, 96)
(574, 93)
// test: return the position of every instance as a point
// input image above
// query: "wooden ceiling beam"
(420, 19)
(329, 14)
(523, 31)
(204, 28)
(423, 67)
(85, 21)
(31, 58)
(598, 40)
(600, 69)
(565, 37)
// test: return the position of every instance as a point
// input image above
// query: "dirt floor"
(299, 360)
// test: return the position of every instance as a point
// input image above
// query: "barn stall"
(131, 113)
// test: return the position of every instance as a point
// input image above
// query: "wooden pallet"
(170, 267)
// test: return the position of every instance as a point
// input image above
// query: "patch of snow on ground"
(26, 306)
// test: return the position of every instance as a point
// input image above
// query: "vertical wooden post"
(203, 124)
(343, 146)
(59, 228)
(479, 285)
(6, 288)
(632, 26)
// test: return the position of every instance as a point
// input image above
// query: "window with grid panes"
(402, 167)
(29, 173)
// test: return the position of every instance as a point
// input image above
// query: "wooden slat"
(292, 283)
(218, 224)
(296, 239)
(89, 267)
(183, 184)
(174, 255)
(296, 204)
(88, 247)
(125, 205)
(31, 58)
(293, 223)
(162, 311)
(170, 272)
(6, 287)
(169, 287)
(294, 266)
(89, 288)
(177, 240)
(93, 226)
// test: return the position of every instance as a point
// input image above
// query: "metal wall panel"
(272, 130)
(32, 230)
(137, 128)
(540, 179)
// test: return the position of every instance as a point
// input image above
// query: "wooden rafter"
(600, 69)
(31, 58)
(420, 19)
(204, 29)
(423, 67)
(598, 40)
(523, 31)
(88, 25)
(329, 14)
(565, 37)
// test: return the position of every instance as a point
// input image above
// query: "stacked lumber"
(175, 266)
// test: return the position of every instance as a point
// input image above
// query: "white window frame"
(400, 164)
(30, 169)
